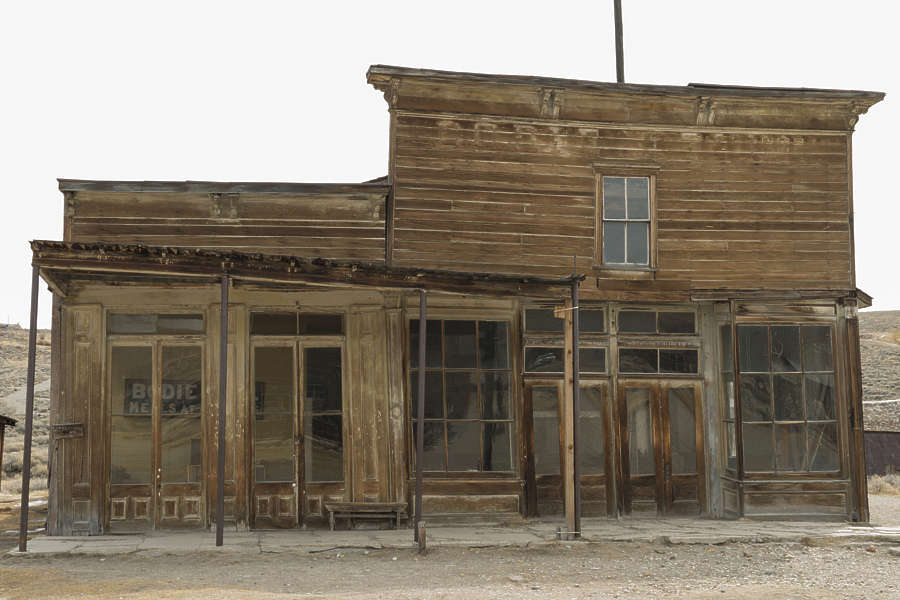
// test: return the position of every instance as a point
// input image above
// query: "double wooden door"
(298, 431)
(156, 435)
(661, 447)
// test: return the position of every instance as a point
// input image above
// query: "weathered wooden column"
(576, 408)
(857, 442)
(567, 417)
(420, 412)
(223, 389)
(29, 413)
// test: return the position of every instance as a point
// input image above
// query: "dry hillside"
(879, 334)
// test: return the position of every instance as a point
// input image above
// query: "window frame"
(606, 169)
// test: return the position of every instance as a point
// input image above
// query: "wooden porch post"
(576, 411)
(223, 383)
(420, 405)
(29, 413)
(857, 442)
(568, 429)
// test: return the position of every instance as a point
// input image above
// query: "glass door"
(661, 447)
(156, 440)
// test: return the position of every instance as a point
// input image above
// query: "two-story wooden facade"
(718, 347)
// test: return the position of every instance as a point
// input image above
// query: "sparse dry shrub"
(885, 484)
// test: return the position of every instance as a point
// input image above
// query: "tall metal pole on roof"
(223, 388)
(576, 404)
(29, 413)
(620, 61)
(420, 412)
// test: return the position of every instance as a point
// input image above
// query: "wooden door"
(156, 439)
(275, 437)
(661, 447)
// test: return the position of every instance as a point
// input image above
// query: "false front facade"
(639, 300)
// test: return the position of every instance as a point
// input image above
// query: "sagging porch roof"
(59, 262)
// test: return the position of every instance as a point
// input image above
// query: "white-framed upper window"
(625, 221)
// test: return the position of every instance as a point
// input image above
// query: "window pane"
(591, 321)
(613, 242)
(789, 448)
(638, 360)
(786, 349)
(434, 357)
(683, 431)
(640, 437)
(727, 356)
(753, 348)
(495, 395)
(788, 397)
(676, 322)
(817, 348)
(544, 360)
(592, 360)
(731, 446)
(130, 449)
(591, 456)
(181, 375)
(820, 397)
(677, 361)
(154, 323)
(323, 445)
(492, 345)
(728, 381)
(545, 398)
(184, 324)
(321, 324)
(463, 446)
(638, 195)
(638, 243)
(823, 447)
(181, 449)
(131, 381)
(637, 321)
(758, 454)
(433, 444)
(273, 323)
(542, 320)
(273, 430)
(118, 323)
(322, 376)
(434, 394)
(497, 452)
(756, 398)
(462, 395)
(544, 401)
(614, 198)
(459, 343)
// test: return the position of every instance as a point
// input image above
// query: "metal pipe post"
(620, 61)
(223, 389)
(29, 413)
(576, 404)
(420, 414)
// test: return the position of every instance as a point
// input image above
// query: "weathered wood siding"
(335, 226)
(736, 209)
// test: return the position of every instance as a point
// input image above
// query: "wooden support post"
(566, 415)
(620, 60)
(29, 413)
(422, 538)
(420, 414)
(857, 442)
(223, 389)
(576, 411)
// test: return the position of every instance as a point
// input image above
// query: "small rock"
(516, 578)
(535, 587)
(895, 551)
(393, 558)
(870, 548)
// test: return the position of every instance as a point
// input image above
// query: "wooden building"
(680, 256)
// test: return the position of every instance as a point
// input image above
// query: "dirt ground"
(573, 570)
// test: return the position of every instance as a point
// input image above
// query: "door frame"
(660, 423)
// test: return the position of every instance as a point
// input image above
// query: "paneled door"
(298, 431)
(661, 447)
(156, 439)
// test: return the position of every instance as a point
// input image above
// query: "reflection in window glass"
(683, 431)
(640, 436)
(677, 361)
(180, 395)
(131, 398)
(323, 433)
(544, 400)
(638, 360)
(542, 320)
(591, 457)
(273, 402)
(492, 345)
(321, 324)
(544, 360)
(434, 357)
(154, 324)
(273, 323)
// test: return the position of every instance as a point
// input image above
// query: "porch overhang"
(62, 262)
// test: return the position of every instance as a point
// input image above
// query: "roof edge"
(221, 187)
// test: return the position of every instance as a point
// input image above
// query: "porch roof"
(61, 262)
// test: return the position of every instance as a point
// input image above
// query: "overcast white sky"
(276, 91)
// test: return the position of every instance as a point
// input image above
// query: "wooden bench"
(365, 510)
